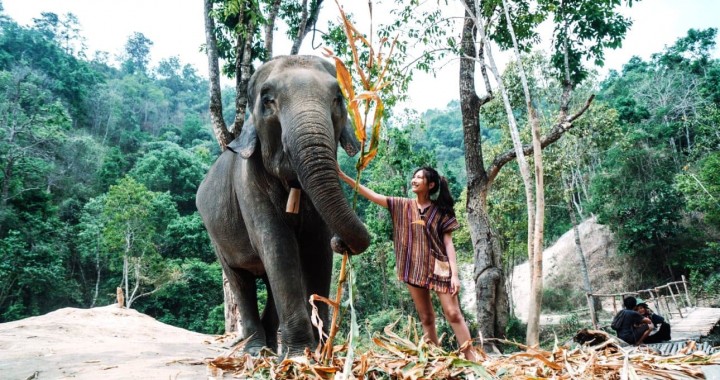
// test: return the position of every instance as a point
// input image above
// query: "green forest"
(100, 163)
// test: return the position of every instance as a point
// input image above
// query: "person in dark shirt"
(634, 328)
(661, 333)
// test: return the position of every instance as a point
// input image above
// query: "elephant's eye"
(338, 99)
(267, 102)
(267, 99)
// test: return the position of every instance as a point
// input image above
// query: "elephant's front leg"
(316, 258)
(269, 318)
(284, 273)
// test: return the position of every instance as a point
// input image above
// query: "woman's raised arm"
(364, 191)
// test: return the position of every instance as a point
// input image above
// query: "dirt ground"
(103, 343)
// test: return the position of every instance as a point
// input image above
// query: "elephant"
(297, 120)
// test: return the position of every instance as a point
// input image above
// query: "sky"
(176, 29)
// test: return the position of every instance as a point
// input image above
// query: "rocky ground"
(561, 267)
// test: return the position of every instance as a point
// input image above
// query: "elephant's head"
(298, 118)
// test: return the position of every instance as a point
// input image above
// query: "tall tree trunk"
(536, 283)
(490, 291)
(231, 311)
(587, 285)
(243, 68)
(97, 270)
(222, 135)
(491, 306)
(126, 280)
(270, 27)
(536, 217)
(517, 145)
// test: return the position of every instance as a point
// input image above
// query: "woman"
(424, 250)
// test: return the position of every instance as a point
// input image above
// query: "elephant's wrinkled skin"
(297, 119)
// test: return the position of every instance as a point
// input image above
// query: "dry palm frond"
(406, 355)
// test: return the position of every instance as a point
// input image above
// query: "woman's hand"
(364, 191)
(454, 285)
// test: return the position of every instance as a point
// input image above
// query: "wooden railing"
(668, 300)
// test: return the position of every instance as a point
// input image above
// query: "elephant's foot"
(292, 352)
(272, 345)
(255, 345)
(293, 349)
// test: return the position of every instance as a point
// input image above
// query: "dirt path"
(102, 343)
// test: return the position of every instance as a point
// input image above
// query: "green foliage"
(185, 237)
(562, 299)
(34, 270)
(656, 185)
(137, 54)
(190, 301)
(168, 167)
(515, 329)
(69, 214)
(703, 266)
(701, 190)
(68, 77)
(583, 31)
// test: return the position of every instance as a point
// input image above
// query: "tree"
(32, 120)
(129, 233)
(136, 57)
(64, 30)
(669, 128)
(169, 167)
(190, 301)
(91, 241)
(232, 32)
(492, 303)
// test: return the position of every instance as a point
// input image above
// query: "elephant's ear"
(348, 140)
(246, 142)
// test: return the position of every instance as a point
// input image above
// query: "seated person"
(661, 332)
(632, 327)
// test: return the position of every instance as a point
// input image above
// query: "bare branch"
(555, 133)
(309, 18)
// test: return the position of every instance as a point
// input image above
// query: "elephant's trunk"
(314, 154)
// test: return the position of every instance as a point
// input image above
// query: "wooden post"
(672, 294)
(655, 300)
(591, 305)
(687, 294)
(120, 298)
(615, 305)
(667, 307)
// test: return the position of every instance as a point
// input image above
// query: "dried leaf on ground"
(405, 355)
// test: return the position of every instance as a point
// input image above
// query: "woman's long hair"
(444, 200)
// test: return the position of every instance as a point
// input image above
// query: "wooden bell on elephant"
(293, 202)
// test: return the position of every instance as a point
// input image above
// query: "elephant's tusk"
(293, 202)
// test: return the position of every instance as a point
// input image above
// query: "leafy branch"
(360, 105)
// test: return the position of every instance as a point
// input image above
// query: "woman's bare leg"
(451, 310)
(423, 306)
